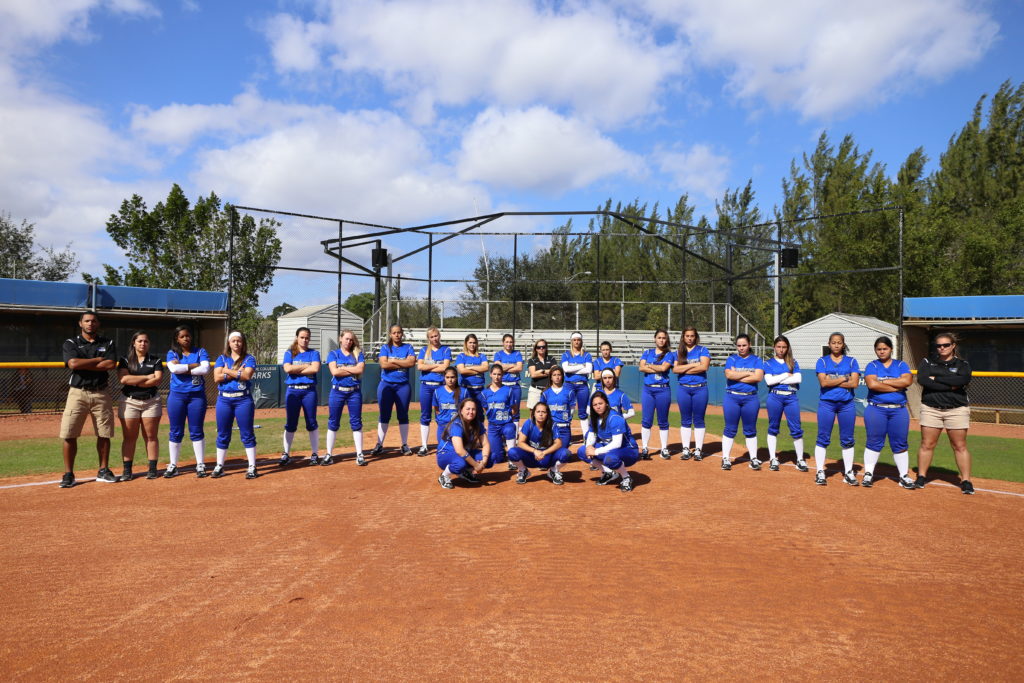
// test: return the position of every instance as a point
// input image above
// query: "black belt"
(656, 386)
(784, 392)
(694, 386)
(741, 393)
(887, 405)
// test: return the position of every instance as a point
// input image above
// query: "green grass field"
(992, 457)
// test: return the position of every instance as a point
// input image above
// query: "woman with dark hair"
(559, 399)
(347, 364)
(432, 361)
(393, 391)
(655, 365)
(539, 446)
(617, 399)
(446, 399)
(886, 413)
(691, 365)
(782, 375)
(187, 398)
(610, 442)
(743, 372)
(472, 367)
(944, 405)
(578, 365)
(838, 375)
(501, 428)
(462, 447)
(606, 361)
(233, 372)
(301, 366)
(512, 362)
(140, 373)
(539, 369)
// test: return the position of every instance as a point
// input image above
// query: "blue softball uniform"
(448, 457)
(444, 403)
(511, 379)
(393, 391)
(560, 404)
(430, 381)
(886, 414)
(235, 404)
(618, 401)
(345, 391)
(528, 458)
(740, 401)
(783, 399)
(600, 364)
(186, 398)
(626, 454)
(836, 403)
(692, 390)
(657, 395)
(300, 394)
(473, 385)
(578, 382)
(500, 427)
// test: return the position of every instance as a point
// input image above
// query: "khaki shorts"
(951, 418)
(134, 408)
(533, 397)
(85, 403)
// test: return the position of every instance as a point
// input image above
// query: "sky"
(403, 112)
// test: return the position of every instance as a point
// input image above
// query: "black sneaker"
(314, 459)
(126, 475)
(607, 478)
(773, 465)
(106, 476)
(470, 477)
(555, 477)
(967, 487)
(920, 482)
(445, 482)
(285, 459)
(593, 467)
(868, 480)
(726, 464)
(152, 474)
(171, 471)
(406, 450)
(523, 475)
(422, 451)
(68, 480)
(644, 454)
(201, 471)
(697, 454)
(327, 460)
(802, 466)
(377, 450)
(907, 483)
(686, 454)
(850, 479)
(627, 484)
(251, 473)
(819, 478)
(755, 464)
(360, 459)
(511, 466)
(218, 472)
(665, 455)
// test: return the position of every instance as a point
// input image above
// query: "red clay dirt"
(375, 572)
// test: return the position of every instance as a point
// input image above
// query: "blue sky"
(407, 112)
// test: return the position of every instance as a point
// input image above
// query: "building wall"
(809, 339)
(322, 325)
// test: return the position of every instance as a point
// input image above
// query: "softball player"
(462, 447)
(559, 399)
(691, 366)
(539, 446)
(301, 366)
(743, 372)
(838, 375)
(655, 365)
(609, 441)
(606, 361)
(512, 361)
(346, 364)
(782, 375)
(578, 366)
(472, 367)
(432, 362)
(886, 413)
(445, 399)
(501, 429)
(233, 373)
(393, 391)
(618, 401)
(186, 398)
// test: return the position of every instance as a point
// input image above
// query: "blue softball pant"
(882, 422)
(693, 404)
(784, 405)
(296, 400)
(241, 409)
(336, 406)
(180, 406)
(828, 412)
(613, 459)
(497, 434)
(517, 396)
(396, 396)
(655, 399)
(456, 463)
(740, 406)
(427, 401)
(517, 454)
(581, 390)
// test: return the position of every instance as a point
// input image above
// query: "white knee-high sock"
(902, 462)
(197, 449)
(314, 440)
(554, 468)
(509, 445)
(684, 436)
(847, 459)
(819, 457)
(382, 431)
(520, 466)
(606, 468)
(645, 436)
(424, 435)
(250, 455)
(288, 438)
(773, 445)
(726, 447)
(583, 426)
(447, 472)
(332, 436)
(698, 437)
(174, 449)
(752, 447)
(403, 431)
(357, 439)
(222, 453)
(798, 446)
(663, 435)
(870, 460)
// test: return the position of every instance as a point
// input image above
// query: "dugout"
(989, 329)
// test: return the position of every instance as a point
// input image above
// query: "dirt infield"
(377, 573)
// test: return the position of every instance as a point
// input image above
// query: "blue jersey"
(896, 368)
(400, 376)
(306, 357)
(440, 355)
(507, 359)
(831, 369)
(692, 356)
(774, 366)
(738, 362)
(339, 357)
(472, 381)
(533, 434)
(615, 424)
(619, 402)
(445, 404)
(650, 356)
(576, 377)
(185, 382)
(600, 364)
(560, 403)
(447, 447)
(498, 404)
(231, 384)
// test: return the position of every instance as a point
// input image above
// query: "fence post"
(577, 315)
(668, 317)
(442, 314)
(531, 316)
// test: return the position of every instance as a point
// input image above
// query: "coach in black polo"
(90, 358)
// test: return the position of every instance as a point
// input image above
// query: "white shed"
(860, 332)
(322, 321)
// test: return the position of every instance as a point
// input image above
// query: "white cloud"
(604, 66)
(536, 149)
(697, 170)
(42, 22)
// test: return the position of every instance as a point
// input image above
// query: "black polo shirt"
(147, 367)
(538, 364)
(79, 347)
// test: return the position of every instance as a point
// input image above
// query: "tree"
(282, 309)
(20, 257)
(361, 304)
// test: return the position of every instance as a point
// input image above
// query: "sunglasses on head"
(944, 345)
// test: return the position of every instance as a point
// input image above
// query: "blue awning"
(964, 307)
(64, 295)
